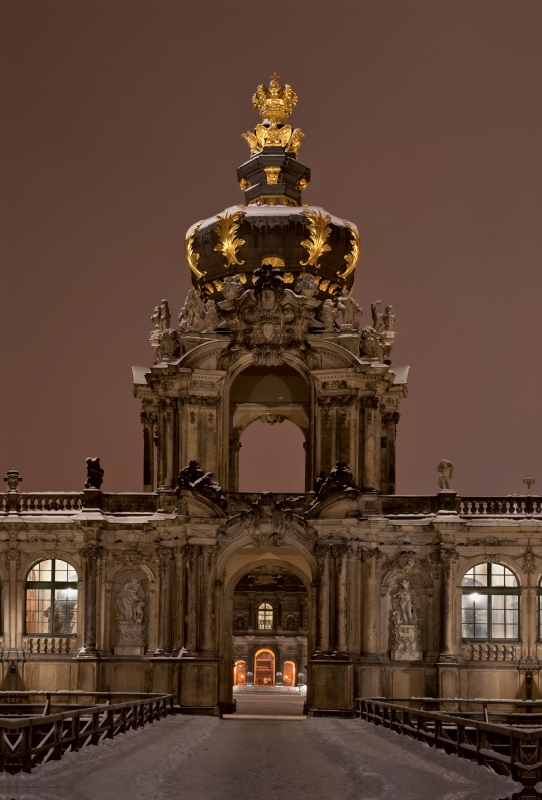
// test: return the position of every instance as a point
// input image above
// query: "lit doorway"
(240, 674)
(288, 673)
(264, 668)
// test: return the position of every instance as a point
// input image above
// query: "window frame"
(491, 591)
(52, 586)
(268, 610)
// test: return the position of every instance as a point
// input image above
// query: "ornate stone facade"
(380, 595)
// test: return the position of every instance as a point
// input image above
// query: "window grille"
(490, 603)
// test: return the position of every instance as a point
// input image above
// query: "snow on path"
(203, 758)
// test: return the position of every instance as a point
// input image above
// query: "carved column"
(371, 602)
(148, 419)
(341, 567)
(208, 611)
(192, 552)
(371, 448)
(323, 600)
(91, 553)
(169, 411)
(448, 559)
(389, 427)
(164, 561)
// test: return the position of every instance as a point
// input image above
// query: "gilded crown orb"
(274, 102)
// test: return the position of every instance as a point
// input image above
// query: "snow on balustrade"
(501, 506)
(34, 645)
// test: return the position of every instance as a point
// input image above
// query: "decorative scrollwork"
(191, 257)
(226, 230)
(352, 257)
(319, 230)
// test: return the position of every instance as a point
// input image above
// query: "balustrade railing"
(42, 645)
(386, 505)
(509, 745)
(30, 735)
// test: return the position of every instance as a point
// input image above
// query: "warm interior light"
(475, 596)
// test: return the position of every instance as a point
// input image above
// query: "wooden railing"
(510, 746)
(31, 734)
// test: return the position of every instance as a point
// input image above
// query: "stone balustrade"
(488, 651)
(42, 645)
(512, 505)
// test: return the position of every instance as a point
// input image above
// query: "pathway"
(202, 758)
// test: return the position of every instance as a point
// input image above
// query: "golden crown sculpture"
(275, 104)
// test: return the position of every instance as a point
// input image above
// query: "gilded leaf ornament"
(319, 231)
(352, 257)
(226, 230)
(191, 257)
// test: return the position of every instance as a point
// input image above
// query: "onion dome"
(273, 227)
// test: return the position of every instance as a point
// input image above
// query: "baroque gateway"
(192, 586)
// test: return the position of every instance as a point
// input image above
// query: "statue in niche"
(446, 472)
(190, 316)
(131, 601)
(328, 314)
(95, 474)
(211, 317)
(405, 620)
(350, 310)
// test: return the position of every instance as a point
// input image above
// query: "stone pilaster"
(371, 447)
(448, 560)
(371, 602)
(209, 553)
(148, 420)
(341, 604)
(323, 644)
(91, 553)
(192, 553)
(164, 556)
(389, 430)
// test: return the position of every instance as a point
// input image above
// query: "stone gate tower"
(270, 331)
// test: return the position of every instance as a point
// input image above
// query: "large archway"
(275, 454)
(272, 457)
(266, 608)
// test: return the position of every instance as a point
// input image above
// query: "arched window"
(265, 616)
(51, 598)
(490, 603)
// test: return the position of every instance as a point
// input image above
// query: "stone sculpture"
(94, 474)
(446, 470)
(406, 630)
(340, 479)
(350, 310)
(389, 318)
(378, 318)
(328, 314)
(211, 317)
(190, 315)
(266, 522)
(194, 478)
(131, 602)
(306, 285)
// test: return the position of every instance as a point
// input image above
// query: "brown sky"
(121, 127)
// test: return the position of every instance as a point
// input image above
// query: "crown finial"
(274, 103)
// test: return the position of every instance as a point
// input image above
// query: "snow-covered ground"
(203, 758)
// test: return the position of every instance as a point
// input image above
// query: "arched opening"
(240, 673)
(272, 458)
(264, 668)
(269, 410)
(288, 674)
(51, 598)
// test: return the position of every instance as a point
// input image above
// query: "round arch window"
(490, 603)
(51, 598)
(265, 617)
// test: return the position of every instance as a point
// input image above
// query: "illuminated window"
(51, 598)
(265, 617)
(490, 603)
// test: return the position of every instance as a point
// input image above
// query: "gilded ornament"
(209, 287)
(226, 230)
(288, 277)
(275, 104)
(244, 184)
(272, 174)
(218, 285)
(273, 200)
(191, 257)
(352, 257)
(301, 185)
(274, 261)
(242, 277)
(323, 286)
(319, 231)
